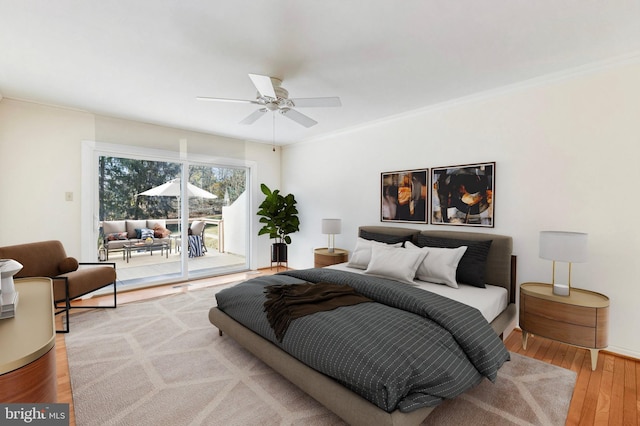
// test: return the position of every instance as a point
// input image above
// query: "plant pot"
(278, 252)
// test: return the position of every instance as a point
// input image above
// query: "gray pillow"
(473, 264)
(384, 238)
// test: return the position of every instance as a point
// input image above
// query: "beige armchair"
(71, 279)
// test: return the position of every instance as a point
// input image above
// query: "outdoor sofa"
(118, 233)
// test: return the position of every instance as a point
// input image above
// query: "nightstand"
(322, 257)
(580, 319)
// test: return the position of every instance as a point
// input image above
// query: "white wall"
(40, 160)
(235, 219)
(566, 154)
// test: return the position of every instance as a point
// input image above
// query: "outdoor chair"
(71, 279)
(196, 241)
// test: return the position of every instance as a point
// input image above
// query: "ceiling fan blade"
(241, 101)
(264, 85)
(298, 117)
(251, 118)
(316, 102)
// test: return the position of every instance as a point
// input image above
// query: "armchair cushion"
(83, 281)
(68, 264)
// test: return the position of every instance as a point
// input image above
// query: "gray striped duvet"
(409, 349)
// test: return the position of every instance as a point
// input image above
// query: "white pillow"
(395, 263)
(440, 265)
(361, 255)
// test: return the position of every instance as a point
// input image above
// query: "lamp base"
(561, 290)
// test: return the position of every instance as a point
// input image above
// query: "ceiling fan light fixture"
(271, 96)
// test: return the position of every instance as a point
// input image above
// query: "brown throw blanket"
(288, 302)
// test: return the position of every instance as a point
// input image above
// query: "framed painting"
(404, 196)
(463, 195)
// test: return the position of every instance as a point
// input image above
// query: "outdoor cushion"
(113, 227)
(197, 227)
(132, 225)
(152, 224)
(160, 231)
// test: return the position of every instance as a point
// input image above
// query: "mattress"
(490, 301)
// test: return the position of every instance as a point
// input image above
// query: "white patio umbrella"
(172, 189)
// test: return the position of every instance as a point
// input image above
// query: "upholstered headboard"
(500, 266)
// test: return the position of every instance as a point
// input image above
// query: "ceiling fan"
(272, 96)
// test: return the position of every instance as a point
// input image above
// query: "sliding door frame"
(91, 151)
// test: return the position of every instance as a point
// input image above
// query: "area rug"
(161, 362)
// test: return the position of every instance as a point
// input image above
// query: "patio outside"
(144, 264)
(140, 189)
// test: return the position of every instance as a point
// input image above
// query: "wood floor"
(610, 395)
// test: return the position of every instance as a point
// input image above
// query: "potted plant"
(280, 218)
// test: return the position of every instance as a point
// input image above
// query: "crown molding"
(567, 74)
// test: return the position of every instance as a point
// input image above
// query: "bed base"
(346, 404)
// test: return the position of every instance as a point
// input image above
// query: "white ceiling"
(147, 60)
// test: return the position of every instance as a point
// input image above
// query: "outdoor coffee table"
(150, 247)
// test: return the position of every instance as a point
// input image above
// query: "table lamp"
(331, 227)
(8, 293)
(558, 246)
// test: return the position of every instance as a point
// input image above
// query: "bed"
(234, 317)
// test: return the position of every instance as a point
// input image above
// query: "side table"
(28, 356)
(580, 319)
(322, 257)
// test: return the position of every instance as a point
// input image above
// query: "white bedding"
(490, 301)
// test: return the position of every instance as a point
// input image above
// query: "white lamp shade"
(563, 246)
(331, 226)
(8, 268)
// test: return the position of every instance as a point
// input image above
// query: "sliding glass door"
(160, 229)
(217, 219)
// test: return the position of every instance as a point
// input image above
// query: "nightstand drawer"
(560, 312)
(567, 333)
(321, 262)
